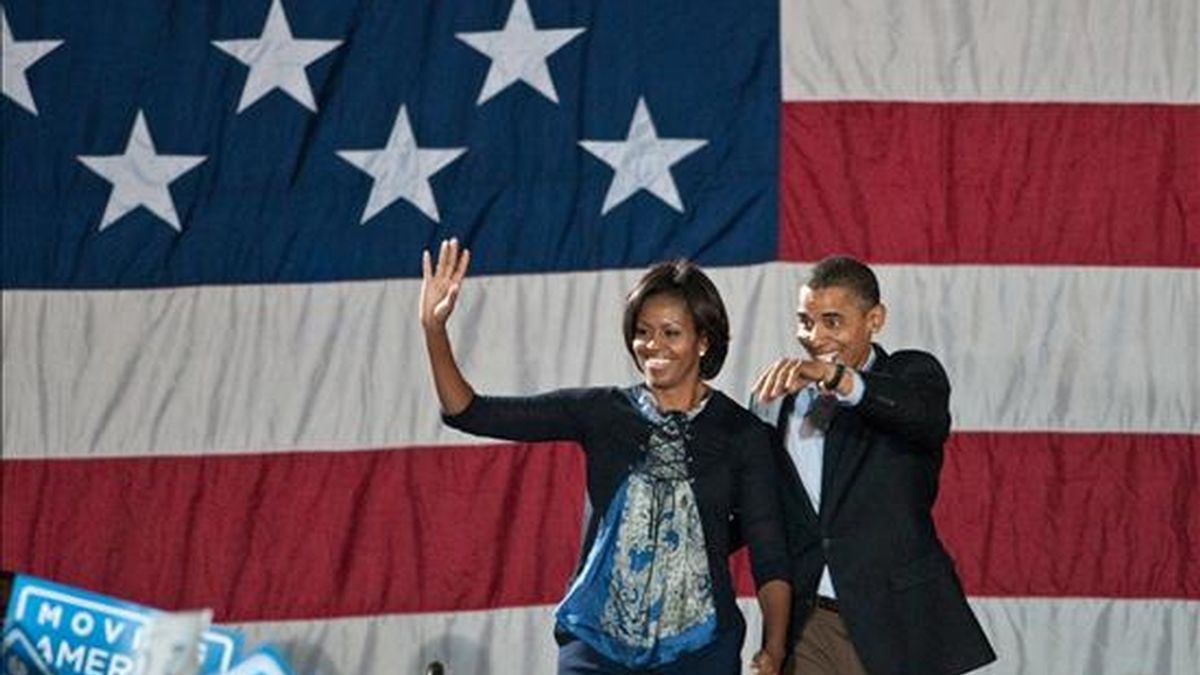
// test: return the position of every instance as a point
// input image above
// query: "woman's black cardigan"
(729, 464)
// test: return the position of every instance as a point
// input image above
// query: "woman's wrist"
(433, 327)
(776, 650)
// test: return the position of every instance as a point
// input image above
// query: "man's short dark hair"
(684, 280)
(842, 271)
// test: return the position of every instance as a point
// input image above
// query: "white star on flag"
(277, 60)
(18, 56)
(140, 176)
(401, 170)
(643, 160)
(519, 52)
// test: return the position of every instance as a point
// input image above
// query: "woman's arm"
(775, 602)
(761, 521)
(439, 292)
(552, 416)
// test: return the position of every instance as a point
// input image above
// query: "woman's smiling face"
(666, 343)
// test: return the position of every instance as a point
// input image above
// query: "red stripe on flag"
(312, 535)
(991, 183)
(1036, 514)
(306, 534)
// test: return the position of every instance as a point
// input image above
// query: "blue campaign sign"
(77, 631)
(20, 656)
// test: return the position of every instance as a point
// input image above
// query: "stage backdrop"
(214, 388)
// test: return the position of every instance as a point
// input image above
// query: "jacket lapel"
(846, 445)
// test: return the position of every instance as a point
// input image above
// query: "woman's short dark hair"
(684, 280)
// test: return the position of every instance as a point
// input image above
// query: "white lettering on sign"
(83, 623)
(112, 630)
(67, 655)
(97, 662)
(45, 649)
(49, 612)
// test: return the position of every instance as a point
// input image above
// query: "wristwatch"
(832, 383)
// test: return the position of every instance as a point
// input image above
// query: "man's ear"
(876, 317)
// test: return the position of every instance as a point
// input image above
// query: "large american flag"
(215, 393)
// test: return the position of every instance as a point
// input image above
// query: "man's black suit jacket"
(897, 589)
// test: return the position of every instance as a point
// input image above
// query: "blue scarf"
(644, 595)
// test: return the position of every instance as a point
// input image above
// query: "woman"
(671, 464)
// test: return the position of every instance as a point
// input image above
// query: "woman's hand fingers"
(460, 270)
(439, 270)
(764, 664)
(452, 261)
(446, 305)
(440, 283)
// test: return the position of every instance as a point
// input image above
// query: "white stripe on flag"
(342, 366)
(1014, 50)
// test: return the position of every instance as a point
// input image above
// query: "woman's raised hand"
(440, 284)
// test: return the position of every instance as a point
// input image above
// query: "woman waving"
(676, 472)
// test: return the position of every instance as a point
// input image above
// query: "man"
(863, 430)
